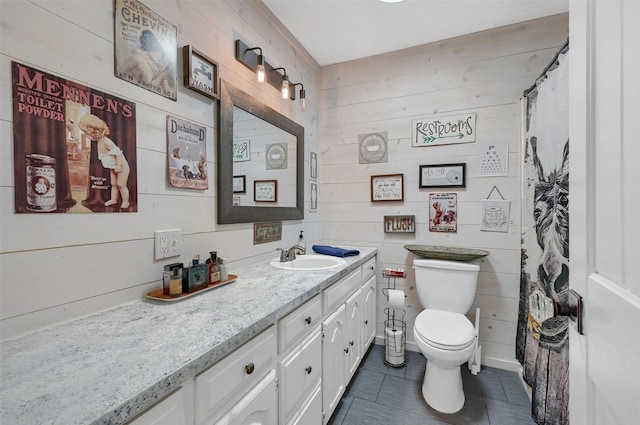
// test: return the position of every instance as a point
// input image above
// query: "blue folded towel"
(335, 251)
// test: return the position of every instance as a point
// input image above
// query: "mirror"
(260, 161)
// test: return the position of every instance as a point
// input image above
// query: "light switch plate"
(168, 243)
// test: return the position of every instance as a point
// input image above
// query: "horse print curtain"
(542, 345)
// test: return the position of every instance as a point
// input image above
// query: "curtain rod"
(553, 64)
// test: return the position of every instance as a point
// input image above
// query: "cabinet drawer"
(224, 383)
(299, 372)
(298, 322)
(339, 291)
(368, 269)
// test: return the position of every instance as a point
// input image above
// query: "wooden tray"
(446, 252)
(157, 294)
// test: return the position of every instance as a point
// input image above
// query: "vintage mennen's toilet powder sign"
(444, 130)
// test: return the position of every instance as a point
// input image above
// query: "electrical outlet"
(168, 243)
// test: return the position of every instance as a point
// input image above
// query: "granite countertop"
(107, 367)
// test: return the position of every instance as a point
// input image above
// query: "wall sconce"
(284, 87)
(303, 96)
(255, 62)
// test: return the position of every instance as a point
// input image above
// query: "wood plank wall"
(485, 73)
(55, 267)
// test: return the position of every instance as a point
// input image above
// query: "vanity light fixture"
(285, 83)
(260, 64)
(303, 97)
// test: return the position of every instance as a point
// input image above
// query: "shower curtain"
(542, 345)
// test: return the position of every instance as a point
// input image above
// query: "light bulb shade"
(260, 72)
(303, 100)
(285, 87)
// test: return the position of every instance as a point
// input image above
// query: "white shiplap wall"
(56, 267)
(485, 73)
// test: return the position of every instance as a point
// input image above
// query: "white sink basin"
(309, 262)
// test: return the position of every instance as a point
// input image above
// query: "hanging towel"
(336, 252)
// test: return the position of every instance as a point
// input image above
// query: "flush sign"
(399, 223)
(444, 130)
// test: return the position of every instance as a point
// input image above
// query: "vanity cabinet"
(175, 409)
(224, 384)
(349, 329)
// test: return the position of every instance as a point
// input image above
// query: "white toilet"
(442, 332)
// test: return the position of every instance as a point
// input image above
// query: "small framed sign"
(200, 72)
(442, 175)
(241, 150)
(387, 187)
(267, 232)
(399, 223)
(239, 184)
(265, 190)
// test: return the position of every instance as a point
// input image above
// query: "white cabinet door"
(353, 333)
(333, 360)
(299, 372)
(311, 412)
(173, 410)
(258, 407)
(368, 297)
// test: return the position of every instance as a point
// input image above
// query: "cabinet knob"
(249, 368)
(308, 369)
(308, 320)
(351, 343)
(366, 322)
(346, 350)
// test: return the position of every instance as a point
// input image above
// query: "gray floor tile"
(493, 396)
(486, 384)
(364, 412)
(365, 384)
(501, 413)
(514, 390)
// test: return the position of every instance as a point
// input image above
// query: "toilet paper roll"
(394, 347)
(396, 298)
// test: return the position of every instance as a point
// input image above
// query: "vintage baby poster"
(443, 212)
(74, 146)
(146, 48)
(187, 154)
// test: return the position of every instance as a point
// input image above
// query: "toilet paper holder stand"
(395, 325)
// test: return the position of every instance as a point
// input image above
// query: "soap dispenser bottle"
(302, 243)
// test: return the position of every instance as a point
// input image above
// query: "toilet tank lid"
(469, 266)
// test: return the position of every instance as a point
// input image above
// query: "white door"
(604, 210)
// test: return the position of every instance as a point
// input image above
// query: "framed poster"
(200, 73)
(239, 184)
(493, 159)
(399, 223)
(495, 215)
(146, 48)
(443, 212)
(265, 190)
(241, 150)
(267, 232)
(387, 187)
(442, 175)
(187, 154)
(71, 152)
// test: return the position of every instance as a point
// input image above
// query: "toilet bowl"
(447, 340)
(442, 332)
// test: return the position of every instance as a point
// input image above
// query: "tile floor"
(381, 395)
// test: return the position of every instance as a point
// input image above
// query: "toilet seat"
(444, 329)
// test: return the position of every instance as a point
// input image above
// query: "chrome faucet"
(290, 254)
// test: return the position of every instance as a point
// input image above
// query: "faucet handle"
(283, 255)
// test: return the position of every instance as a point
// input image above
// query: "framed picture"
(265, 190)
(313, 165)
(399, 223)
(267, 232)
(443, 212)
(387, 187)
(146, 48)
(241, 150)
(200, 73)
(313, 196)
(442, 175)
(239, 184)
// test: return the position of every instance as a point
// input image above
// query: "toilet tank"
(446, 285)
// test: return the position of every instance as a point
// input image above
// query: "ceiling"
(334, 31)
